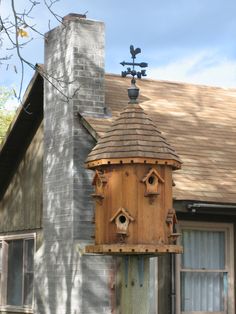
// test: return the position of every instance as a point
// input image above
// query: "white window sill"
(15, 309)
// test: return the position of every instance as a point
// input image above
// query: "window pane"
(29, 255)
(15, 272)
(28, 288)
(28, 269)
(203, 249)
(202, 291)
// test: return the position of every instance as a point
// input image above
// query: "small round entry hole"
(122, 219)
(151, 180)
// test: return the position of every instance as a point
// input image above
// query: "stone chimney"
(74, 70)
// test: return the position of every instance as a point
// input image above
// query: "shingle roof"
(133, 134)
(198, 121)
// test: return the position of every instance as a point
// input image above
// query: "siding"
(21, 206)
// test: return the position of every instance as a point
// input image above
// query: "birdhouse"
(151, 180)
(133, 165)
(122, 219)
(99, 181)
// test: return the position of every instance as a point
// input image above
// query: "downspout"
(173, 285)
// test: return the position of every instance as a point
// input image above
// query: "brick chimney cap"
(73, 17)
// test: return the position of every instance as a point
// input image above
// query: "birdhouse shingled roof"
(133, 135)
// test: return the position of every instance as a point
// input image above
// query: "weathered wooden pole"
(134, 285)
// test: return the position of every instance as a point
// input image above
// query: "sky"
(191, 41)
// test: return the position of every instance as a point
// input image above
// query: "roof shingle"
(198, 121)
(133, 134)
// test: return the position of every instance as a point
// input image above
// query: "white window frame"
(3, 281)
(229, 254)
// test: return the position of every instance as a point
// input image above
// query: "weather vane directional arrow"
(132, 71)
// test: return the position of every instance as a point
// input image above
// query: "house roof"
(198, 121)
(133, 136)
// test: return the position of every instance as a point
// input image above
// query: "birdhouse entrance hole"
(122, 219)
(151, 180)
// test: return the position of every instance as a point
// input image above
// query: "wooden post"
(133, 285)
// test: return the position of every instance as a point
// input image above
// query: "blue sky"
(182, 40)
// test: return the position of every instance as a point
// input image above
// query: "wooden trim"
(122, 249)
(124, 212)
(135, 160)
(88, 127)
(150, 172)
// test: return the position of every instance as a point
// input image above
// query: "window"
(205, 269)
(17, 271)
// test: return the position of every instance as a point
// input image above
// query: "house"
(46, 208)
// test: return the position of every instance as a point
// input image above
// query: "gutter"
(222, 209)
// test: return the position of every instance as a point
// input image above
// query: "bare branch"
(15, 26)
(49, 7)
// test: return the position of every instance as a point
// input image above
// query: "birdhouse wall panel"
(124, 198)
(130, 201)
(99, 216)
(124, 189)
(162, 206)
(112, 202)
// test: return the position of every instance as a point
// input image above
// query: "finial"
(133, 90)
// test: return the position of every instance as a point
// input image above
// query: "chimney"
(74, 67)
(74, 63)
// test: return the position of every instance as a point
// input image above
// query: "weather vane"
(132, 70)
(133, 91)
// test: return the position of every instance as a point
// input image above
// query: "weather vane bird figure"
(133, 91)
(134, 52)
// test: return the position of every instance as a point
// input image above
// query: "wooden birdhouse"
(99, 181)
(152, 180)
(122, 219)
(133, 166)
